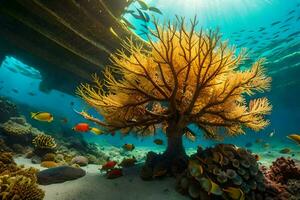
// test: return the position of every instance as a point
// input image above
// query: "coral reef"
(282, 170)
(17, 182)
(281, 180)
(19, 187)
(43, 141)
(18, 133)
(223, 171)
(7, 109)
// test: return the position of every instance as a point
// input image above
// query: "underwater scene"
(150, 99)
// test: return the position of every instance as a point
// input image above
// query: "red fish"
(81, 127)
(114, 173)
(109, 165)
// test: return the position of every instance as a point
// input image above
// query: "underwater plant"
(187, 77)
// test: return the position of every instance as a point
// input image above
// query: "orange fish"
(109, 165)
(128, 147)
(114, 173)
(81, 127)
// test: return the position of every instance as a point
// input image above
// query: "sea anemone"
(241, 171)
(246, 176)
(236, 163)
(222, 177)
(217, 171)
(231, 174)
(245, 163)
(229, 154)
(237, 180)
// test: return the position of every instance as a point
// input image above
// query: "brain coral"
(18, 126)
(43, 141)
(19, 187)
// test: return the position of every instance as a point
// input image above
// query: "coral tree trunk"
(173, 161)
(175, 149)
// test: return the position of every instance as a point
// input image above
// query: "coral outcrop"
(18, 133)
(17, 182)
(282, 180)
(282, 170)
(223, 171)
(43, 141)
(16, 126)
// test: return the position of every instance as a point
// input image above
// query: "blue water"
(245, 23)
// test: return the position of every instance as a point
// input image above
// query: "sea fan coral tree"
(185, 77)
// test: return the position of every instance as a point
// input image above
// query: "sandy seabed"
(94, 186)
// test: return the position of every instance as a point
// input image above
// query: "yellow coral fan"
(43, 141)
(19, 187)
(186, 77)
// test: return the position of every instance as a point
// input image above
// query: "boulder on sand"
(59, 175)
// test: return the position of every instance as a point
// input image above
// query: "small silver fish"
(272, 133)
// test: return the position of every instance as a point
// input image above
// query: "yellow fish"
(295, 137)
(42, 116)
(96, 131)
(235, 193)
